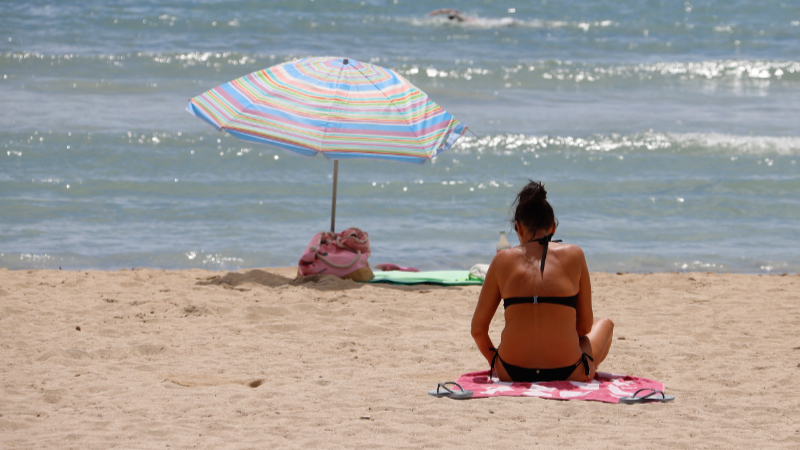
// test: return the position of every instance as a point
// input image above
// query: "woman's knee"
(605, 331)
(605, 324)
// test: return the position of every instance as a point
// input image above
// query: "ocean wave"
(522, 74)
(626, 27)
(474, 22)
(479, 22)
(16, 144)
(541, 73)
(688, 143)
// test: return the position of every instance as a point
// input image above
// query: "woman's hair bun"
(538, 193)
(532, 208)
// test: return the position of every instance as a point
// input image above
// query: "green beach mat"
(442, 277)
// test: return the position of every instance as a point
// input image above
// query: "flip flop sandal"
(647, 398)
(443, 391)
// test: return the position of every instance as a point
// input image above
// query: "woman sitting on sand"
(549, 330)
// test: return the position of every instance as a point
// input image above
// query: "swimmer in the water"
(452, 14)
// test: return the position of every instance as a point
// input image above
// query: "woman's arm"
(585, 317)
(488, 301)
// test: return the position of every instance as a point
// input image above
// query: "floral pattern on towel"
(605, 387)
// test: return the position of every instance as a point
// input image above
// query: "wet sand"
(156, 359)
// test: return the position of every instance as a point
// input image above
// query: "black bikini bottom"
(525, 374)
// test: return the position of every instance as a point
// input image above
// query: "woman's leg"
(600, 339)
(595, 344)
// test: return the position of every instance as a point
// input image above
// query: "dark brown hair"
(532, 208)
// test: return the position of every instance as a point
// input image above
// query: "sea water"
(666, 133)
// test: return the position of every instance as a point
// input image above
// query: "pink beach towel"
(605, 387)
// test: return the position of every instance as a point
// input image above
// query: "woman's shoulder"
(506, 256)
(508, 261)
(569, 251)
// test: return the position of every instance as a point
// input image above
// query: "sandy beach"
(155, 359)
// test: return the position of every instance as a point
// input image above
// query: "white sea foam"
(531, 73)
(527, 73)
(702, 143)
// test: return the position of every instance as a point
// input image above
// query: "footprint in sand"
(193, 310)
(150, 350)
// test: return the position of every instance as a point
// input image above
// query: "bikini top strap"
(545, 241)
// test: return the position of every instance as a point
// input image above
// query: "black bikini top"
(571, 301)
(545, 241)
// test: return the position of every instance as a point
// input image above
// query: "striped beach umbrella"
(339, 107)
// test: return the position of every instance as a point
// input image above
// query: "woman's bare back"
(540, 335)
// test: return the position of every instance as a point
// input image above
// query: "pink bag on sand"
(342, 254)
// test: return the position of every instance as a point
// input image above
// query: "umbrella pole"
(333, 203)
